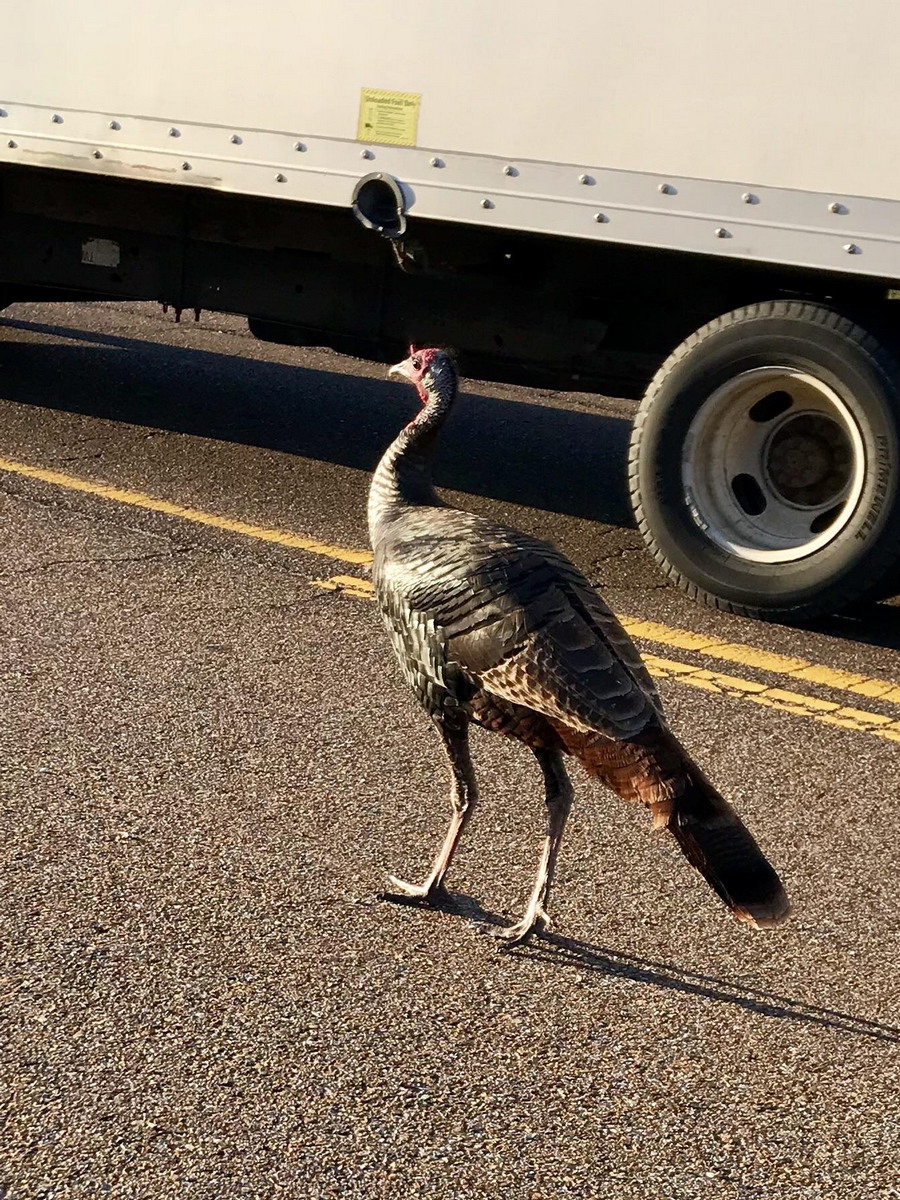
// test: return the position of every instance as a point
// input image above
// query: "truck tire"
(763, 465)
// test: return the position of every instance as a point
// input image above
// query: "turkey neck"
(402, 478)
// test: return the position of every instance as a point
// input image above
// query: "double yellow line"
(799, 670)
(826, 712)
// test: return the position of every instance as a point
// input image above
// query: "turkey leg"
(463, 795)
(559, 801)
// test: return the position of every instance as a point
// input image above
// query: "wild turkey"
(498, 628)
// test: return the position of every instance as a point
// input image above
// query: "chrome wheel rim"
(773, 465)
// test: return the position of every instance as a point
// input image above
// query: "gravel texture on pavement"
(208, 765)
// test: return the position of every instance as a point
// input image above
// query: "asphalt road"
(208, 764)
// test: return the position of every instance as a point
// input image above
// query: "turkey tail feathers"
(713, 839)
(654, 770)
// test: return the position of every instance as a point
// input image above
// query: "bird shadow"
(553, 950)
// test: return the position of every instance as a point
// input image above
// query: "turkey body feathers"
(473, 606)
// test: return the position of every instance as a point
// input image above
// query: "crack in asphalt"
(99, 560)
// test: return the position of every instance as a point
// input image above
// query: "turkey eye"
(417, 363)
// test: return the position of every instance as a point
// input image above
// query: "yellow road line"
(774, 664)
(141, 500)
(826, 712)
(764, 660)
(352, 585)
(799, 669)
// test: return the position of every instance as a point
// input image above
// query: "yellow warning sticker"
(388, 117)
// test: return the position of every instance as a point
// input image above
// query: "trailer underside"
(515, 306)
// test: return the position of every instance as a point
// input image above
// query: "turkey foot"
(523, 931)
(463, 793)
(429, 894)
(559, 800)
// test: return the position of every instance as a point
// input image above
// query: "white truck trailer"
(699, 201)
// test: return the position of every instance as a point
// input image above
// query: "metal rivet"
(587, 179)
(114, 125)
(601, 218)
(185, 166)
(56, 119)
(279, 178)
(487, 203)
(852, 248)
(237, 140)
(721, 233)
(667, 189)
(300, 146)
(173, 132)
(749, 198)
(367, 154)
(509, 169)
(436, 162)
(98, 154)
(12, 145)
(836, 207)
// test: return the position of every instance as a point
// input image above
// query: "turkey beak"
(401, 370)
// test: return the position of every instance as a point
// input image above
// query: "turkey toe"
(427, 894)
(521, 933)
